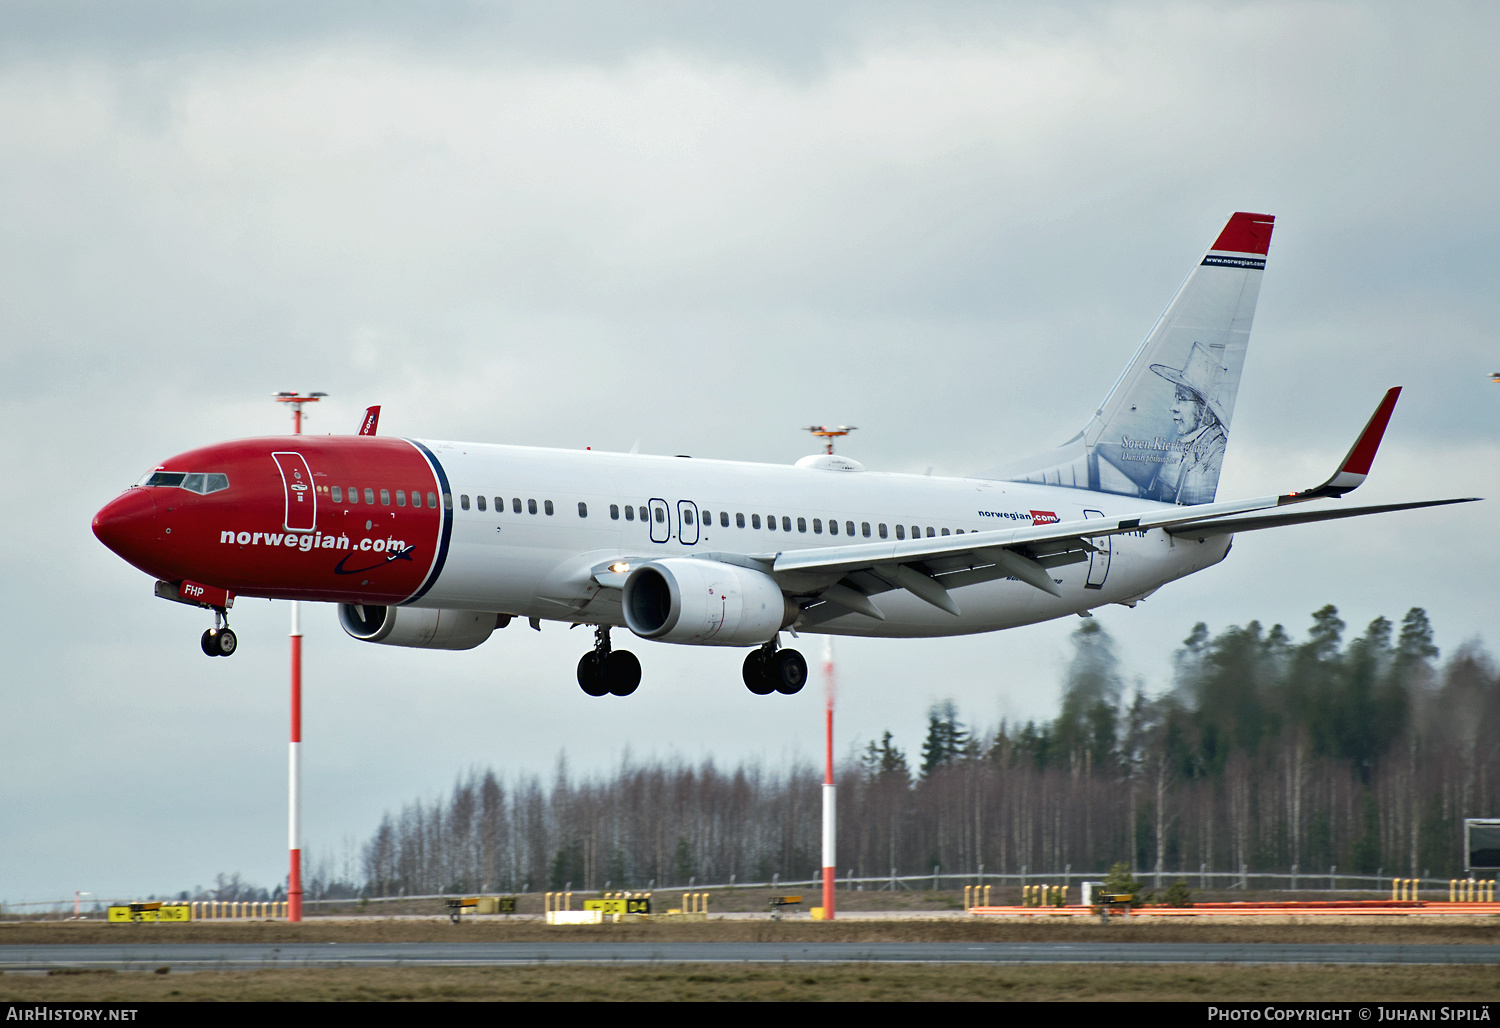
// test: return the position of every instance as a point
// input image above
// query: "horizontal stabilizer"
(1225, 526)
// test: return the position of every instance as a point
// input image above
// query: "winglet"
(1356, 464)
(372, 418)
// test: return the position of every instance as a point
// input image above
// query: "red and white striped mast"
(294, 762)
(828, 435)
(829, 835)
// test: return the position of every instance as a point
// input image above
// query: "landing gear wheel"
(622, 672)
(590, 679)
(788, 671)
(219, 642)
(756, 678)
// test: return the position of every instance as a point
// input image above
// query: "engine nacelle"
(704, 603)
(417, 626)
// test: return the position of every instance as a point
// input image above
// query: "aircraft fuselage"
(521, 530)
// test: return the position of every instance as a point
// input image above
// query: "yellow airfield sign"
(140, 912)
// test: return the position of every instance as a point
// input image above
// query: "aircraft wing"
(845, 577)
(840, 579)
(831, 581)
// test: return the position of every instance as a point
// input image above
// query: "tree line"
(1264, 753)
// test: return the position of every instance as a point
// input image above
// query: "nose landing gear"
(220, 640)
(768, 669)
(607, 672)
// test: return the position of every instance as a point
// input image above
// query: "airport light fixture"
(828, 435)
(294, 759)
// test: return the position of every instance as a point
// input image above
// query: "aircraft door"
(1099, 559)
(301, 497)
(687, 522)
(661, 521)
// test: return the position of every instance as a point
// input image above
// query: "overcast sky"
(702, 226)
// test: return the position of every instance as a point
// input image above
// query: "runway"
(255, 956)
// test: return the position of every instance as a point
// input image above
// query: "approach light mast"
(828, 435)
(294, 760)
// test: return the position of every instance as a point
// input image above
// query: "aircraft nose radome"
(127, 524)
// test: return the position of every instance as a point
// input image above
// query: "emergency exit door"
(687, 522)
(661, 521)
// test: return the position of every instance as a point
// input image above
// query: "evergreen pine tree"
(1416, 638)
(884, 760)
(946, 737)
(1086, 728)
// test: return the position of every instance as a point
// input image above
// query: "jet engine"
(704, 603)
(417, 626)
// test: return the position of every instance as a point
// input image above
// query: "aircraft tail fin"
(1160, 434)
(371, 421)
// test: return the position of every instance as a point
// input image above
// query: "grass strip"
(926, 983)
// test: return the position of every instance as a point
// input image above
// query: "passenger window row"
(864, 529)
(352, 495)
(631, 512)
(516, 505)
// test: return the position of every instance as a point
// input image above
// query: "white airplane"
(437, 544)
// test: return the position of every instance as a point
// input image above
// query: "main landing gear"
(603, 671)
(220, 640)
(769, 669)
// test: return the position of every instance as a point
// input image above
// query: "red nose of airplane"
(127, 524)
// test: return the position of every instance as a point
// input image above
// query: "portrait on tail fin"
(1193, 476)
(1176, 450)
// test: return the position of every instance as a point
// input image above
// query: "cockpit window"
(194, 481)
